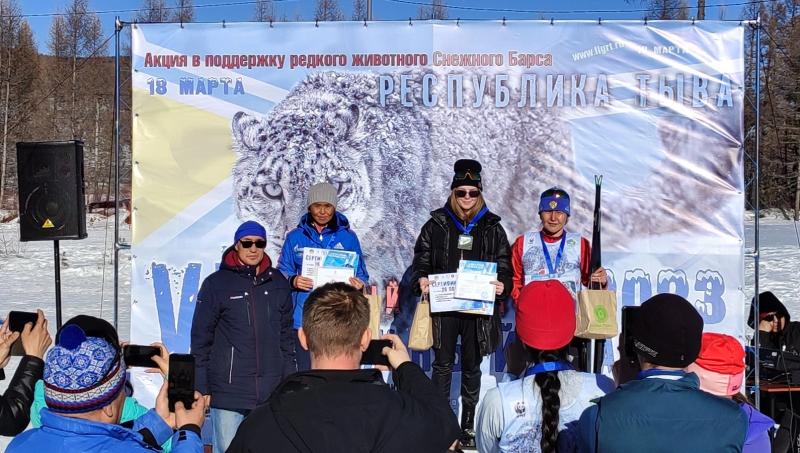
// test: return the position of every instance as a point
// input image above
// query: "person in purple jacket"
(720, 367)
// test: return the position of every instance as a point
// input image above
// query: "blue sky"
(383, 10)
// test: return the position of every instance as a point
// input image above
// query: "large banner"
(236, 121)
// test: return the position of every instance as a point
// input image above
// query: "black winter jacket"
(242, 337)
(351, 411)
(15, 404)
(431, 256)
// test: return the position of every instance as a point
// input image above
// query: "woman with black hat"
(464, 229)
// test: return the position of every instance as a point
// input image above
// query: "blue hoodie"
(337, 235)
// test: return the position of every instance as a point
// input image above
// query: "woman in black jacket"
(15, 404)
(463, 229)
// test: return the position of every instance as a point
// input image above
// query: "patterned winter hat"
(81, 373)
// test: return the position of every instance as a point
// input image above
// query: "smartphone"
(140, 356)
(180, 380)
(373, 355)
(18, 319)
(628, 318)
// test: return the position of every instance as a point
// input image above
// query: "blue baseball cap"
(554, 199)
(249, 228)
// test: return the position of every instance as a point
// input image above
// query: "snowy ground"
(26, 273)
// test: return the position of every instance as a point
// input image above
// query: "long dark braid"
(549, 384)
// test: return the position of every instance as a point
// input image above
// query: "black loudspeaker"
(51, 193)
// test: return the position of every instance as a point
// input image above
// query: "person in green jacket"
(97, 327)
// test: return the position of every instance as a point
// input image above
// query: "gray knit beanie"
(322, 192)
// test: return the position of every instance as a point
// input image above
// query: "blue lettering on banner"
(673, 281)
(176, 337)
(712, 307)
(636, 283)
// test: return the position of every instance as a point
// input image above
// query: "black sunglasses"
(259, 243)
(461, 193)
(770, 317)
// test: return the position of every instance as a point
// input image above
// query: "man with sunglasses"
(242, 332)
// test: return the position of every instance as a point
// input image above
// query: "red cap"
(545, 315)
(721, 354)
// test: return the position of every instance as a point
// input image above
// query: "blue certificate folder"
(477, 267)
(341, 259)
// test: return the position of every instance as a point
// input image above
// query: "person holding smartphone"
(15, 403)
(241, 332)
(84, 379)
(98, 327)
(464, 229)
(337, 405)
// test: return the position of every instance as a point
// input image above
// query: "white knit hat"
(322, 192)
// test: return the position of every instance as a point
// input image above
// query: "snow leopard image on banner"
(392, 164)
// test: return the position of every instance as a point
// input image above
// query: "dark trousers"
(453, 326)
(302, 355)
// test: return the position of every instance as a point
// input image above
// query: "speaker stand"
(57, 259)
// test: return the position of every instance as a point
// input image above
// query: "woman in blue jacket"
(324, 228)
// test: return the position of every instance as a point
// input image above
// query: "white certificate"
(441, 291)
(312, 258)
(475, 279)
(333, 274)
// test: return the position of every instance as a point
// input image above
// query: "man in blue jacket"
(664, 410)
(242, 332)
(84, 380)
(323, 228)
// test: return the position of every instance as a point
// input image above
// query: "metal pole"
(117, 31)
(756, 256)
(57, 261)
(369, 10)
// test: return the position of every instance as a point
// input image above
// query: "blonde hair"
(461, 213)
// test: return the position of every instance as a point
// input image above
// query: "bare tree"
(701, 9)
(664, 9)
(328, 10)
(436, 11)
(359, 10)
(264, 11)
(183, 12)
(77, 74)
(9, 27)
(155, 11)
